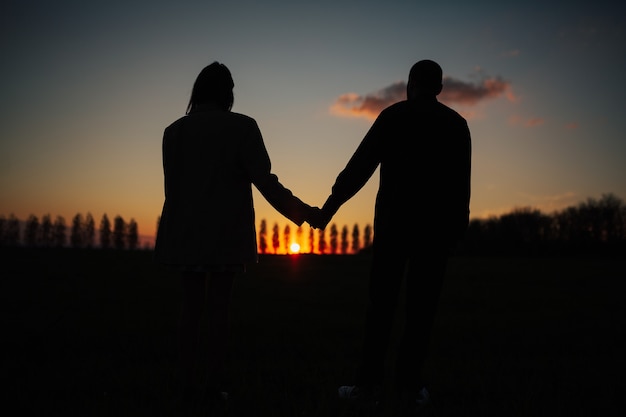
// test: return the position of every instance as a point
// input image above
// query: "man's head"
(425, 80)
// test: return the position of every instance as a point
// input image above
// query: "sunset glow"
(294, 248)
(313, 75)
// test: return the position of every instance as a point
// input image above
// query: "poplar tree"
(263, 236)
(31, 231)
(299, 235)
(77, 233)
(344, 240)
(119, 232)
(321, 241)
(355, 239)
(89, 230)
(12, 231)
(45, 231)
(333, 238)
(311, 240)
(275, 238)
(367, 236)
(287, 237)
(59, 236)
(132, 235)
(105, 232)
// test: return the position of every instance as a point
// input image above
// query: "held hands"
(318, 218)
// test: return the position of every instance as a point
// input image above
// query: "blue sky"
(89, 88)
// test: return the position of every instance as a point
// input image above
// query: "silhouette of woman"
(211, 158)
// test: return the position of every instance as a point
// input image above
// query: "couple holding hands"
(212, 157)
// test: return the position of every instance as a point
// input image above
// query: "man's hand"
(318, 218)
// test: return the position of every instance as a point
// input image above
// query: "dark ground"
(92, 333)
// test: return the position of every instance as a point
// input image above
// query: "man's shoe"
(423, 397)
(363, 396)
(348, 392)
(414, 404)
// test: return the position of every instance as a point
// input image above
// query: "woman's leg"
(193, 297)
(220, 286)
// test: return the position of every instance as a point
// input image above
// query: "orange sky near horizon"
(89, 87)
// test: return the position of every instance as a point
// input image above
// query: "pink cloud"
(535, 121)
(370, 105)
(460, 92)
(454, 92)
(516, 120)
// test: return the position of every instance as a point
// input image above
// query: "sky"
(88, 87)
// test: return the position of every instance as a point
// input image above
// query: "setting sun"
(294, 248)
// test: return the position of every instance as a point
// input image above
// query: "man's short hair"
(427, 75)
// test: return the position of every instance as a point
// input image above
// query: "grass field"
(93, 333)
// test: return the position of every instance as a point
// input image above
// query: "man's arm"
(358, 170)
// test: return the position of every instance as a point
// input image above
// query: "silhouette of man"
(423, 149)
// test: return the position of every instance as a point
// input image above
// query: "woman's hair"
(213, 85)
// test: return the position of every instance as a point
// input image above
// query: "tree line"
(48, 233)
(320, 241)
(596, 225)
(593, 226)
